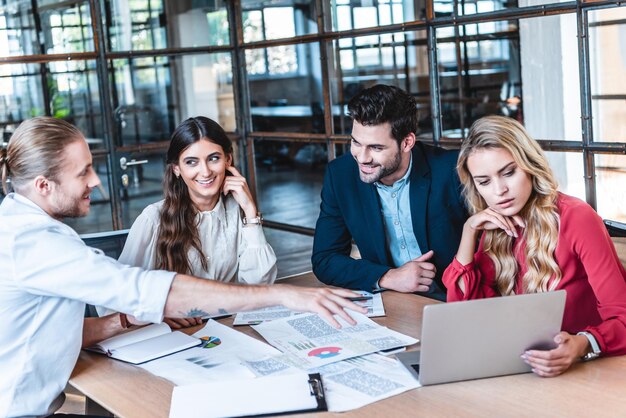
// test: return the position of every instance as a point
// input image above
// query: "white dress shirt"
(234, 253)
(47, 275)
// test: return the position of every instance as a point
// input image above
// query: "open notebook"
(145, 344)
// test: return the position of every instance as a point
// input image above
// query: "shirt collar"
(218, 211)
(400, 182)
(26, 201)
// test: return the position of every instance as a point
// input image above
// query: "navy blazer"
(351, 210)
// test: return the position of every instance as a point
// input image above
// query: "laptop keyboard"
(416, 367)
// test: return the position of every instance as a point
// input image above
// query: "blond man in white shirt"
(48, 273)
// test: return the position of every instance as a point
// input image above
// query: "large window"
(278, 75)
(265, 24)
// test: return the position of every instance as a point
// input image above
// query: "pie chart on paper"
(210, 342)
(325, 352)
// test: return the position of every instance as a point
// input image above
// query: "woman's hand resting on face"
(489, 219)
(238, 187)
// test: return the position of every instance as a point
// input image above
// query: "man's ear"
(408, 142)
(43, 186)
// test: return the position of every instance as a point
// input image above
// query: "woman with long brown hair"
(536, 239)
(198, 228)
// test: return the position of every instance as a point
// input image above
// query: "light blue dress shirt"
(396, 211)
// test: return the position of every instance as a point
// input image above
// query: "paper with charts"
(373, 304)
(220, 356)
(308, 341)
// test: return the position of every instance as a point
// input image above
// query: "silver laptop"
(484, 337)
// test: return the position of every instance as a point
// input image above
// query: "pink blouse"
(592, 275)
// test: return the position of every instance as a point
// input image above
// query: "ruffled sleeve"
(257, 261)
(140, 247)
(477, 276)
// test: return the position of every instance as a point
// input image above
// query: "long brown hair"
(178, 226)
(540, 212)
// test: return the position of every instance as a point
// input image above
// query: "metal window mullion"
(324, 51)
(43, 71)
(433, 75)
(96, 7)
(586, 106)
(241, 93)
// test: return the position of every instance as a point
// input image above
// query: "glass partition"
(398, 59)
(289, 178)
(18, 35)
(350, 14)
(156, 24)
(610, 179)
(479, 73)
(21, 95)
(152, 94)
(608, 67)
(291, 101)
(74, 95)
(551, 97)
(268, 19)
(66, 27)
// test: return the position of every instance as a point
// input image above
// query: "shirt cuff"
(456, 264)
(253, 236)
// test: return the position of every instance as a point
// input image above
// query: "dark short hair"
(381, 104)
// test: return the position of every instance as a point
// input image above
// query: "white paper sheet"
(219, 358)
(352, 383)
(374, 306)
(274, 394)
(359, 381)
(308, 341)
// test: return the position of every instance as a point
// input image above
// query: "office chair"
(112, 244)
(616, 229)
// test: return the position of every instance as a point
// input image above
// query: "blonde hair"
(36, 148)
(540, 212)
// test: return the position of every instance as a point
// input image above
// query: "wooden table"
(597, 388)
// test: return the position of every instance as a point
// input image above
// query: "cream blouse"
(234, 253)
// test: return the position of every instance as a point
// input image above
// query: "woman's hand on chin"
(489, 219)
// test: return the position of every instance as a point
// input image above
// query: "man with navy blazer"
(398, 199)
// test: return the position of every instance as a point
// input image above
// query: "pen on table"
(360, 298)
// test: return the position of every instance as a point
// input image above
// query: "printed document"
(372, 302)
(308, 341)
(219, 357)
(352, 383)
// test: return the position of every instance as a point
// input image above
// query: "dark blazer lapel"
(419, 192)
(373, 218)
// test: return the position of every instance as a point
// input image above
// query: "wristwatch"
(595, 347)
(257, 220)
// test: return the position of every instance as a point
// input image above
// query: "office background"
(277, 74)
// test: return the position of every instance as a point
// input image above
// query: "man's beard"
(383, 172)
(69, 208)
